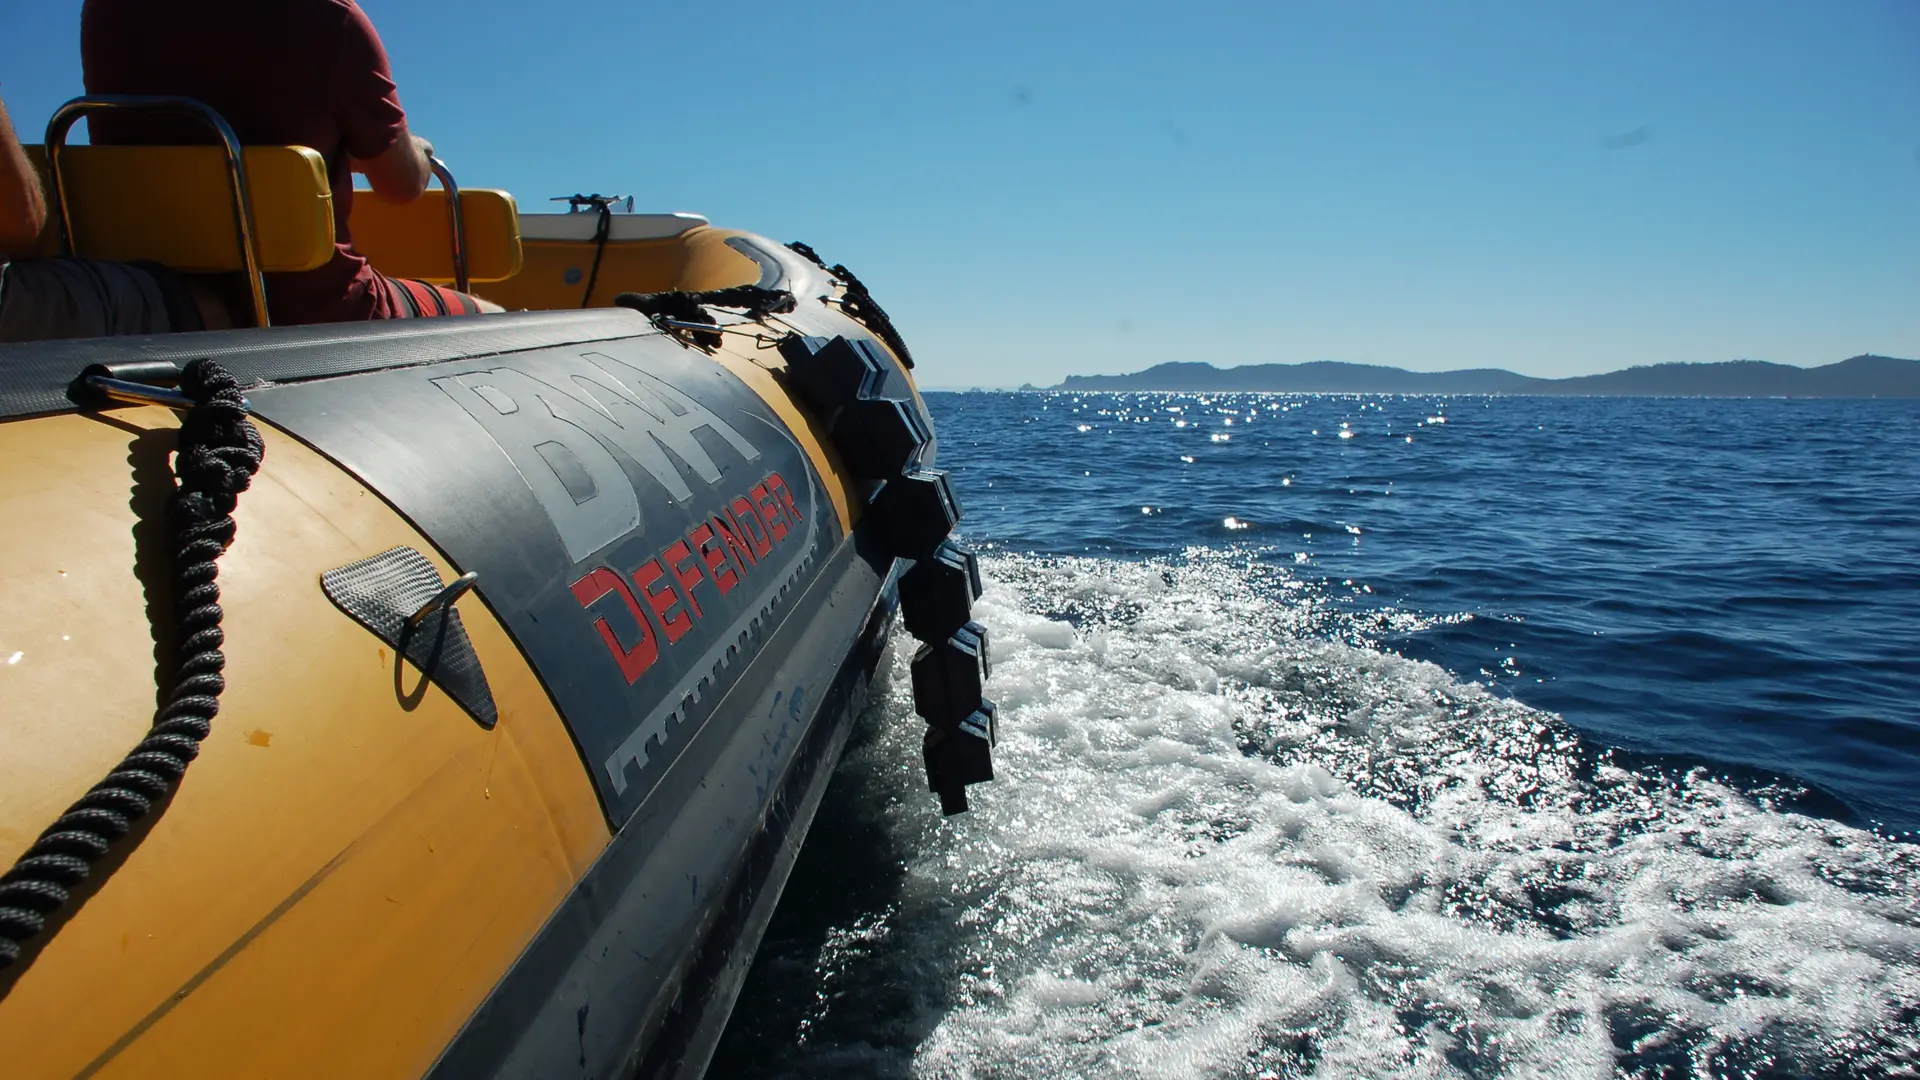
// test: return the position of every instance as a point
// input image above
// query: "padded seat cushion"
(174, 205)
(413, 240)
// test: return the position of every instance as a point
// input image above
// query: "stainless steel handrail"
(66, 115)
(457, 225)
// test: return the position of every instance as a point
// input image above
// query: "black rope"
(808, 253)
(219, 451)
(601, 230)
(859, 303)
(691, 307)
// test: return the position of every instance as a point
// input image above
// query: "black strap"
(406, 295)
(439, 297)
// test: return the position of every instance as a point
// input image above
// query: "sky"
(1041, 189)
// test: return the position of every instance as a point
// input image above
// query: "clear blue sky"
(1038, 189)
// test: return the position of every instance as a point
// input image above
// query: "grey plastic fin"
(380, 593)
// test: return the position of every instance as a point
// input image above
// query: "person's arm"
(23, 206)
(401, 173)
(374, 127)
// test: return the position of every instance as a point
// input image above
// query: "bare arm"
(400, 175)
(23, 206)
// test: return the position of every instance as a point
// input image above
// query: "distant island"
(1860, 377)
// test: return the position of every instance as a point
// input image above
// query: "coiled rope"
(219, 451)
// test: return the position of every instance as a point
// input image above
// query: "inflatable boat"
(445, 696)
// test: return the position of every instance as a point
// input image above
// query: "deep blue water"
(1349, 737)
(1736, 581)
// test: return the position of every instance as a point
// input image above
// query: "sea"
(1391, 736)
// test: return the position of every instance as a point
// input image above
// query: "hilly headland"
(1859, 377)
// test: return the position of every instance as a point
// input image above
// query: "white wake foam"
(1220, 847)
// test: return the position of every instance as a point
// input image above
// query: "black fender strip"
(35, 376)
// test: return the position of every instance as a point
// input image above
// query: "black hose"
(602, 229)
(219, 451)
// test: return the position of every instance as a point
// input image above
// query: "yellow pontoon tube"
(449, 696)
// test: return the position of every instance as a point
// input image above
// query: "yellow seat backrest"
(415, 240)
(174, 205)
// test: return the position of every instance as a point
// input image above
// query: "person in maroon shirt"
(284, 72)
